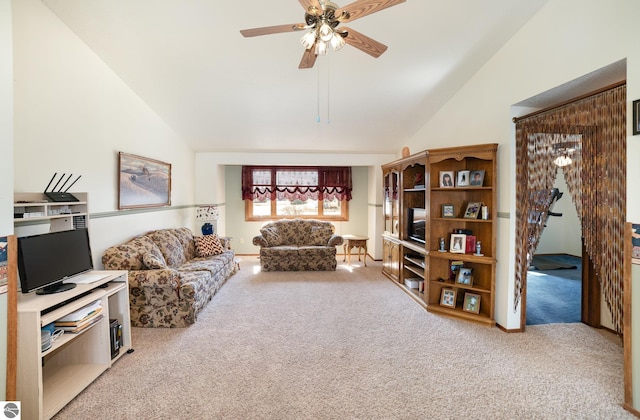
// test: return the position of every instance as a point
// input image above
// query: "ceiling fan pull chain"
(328, 90)
(318, 95)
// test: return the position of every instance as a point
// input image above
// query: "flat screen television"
(416, 224)
(46, 260)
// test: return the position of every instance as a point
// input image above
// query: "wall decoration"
(636, 117)
(143, 182)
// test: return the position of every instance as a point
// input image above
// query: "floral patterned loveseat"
(172, 274)
(298, 245)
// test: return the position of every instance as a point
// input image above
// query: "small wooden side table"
(354, 241)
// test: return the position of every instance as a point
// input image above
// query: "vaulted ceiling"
(220, 91)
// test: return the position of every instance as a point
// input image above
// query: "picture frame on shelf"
(458, 243)
(448, 298)
(465, 276)
(473, 210)
(471, 303)
(462, 178)
(476, 179)
(143, 182)
(448, 210)
(446, 179)
(636, 117)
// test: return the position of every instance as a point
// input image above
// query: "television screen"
(417, 221)
(45, 260)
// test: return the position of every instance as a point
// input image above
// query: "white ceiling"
(220, 91)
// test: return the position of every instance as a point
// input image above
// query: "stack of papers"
(80, 319)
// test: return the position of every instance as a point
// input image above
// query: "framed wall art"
(636, 117)
(143, 182)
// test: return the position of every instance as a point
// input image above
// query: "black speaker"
(115, 332)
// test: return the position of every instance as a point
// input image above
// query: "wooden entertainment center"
(49, 378)
(418, 262)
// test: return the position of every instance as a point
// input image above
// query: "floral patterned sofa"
(172, 274)
(298, 245)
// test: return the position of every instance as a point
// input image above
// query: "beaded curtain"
(596, 180)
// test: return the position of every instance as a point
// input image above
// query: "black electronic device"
(115, 333)
(417, 219)
(46, 260)
(60, 196)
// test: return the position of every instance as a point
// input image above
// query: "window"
(279, 192)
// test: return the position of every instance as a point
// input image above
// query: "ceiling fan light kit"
(321, 20)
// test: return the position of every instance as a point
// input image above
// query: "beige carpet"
(351, 345)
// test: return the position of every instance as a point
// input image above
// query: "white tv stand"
(48, 380)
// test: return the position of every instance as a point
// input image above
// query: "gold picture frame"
(143, 182)
(471, 303)
(448, 298)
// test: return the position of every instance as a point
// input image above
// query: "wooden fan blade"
(309, 3)
(361, 8)
(308, 58)
(268, 30)
(364, 43)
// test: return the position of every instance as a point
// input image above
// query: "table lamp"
(207, 214)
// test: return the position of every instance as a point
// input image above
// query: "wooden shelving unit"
(48, 380)
(415, 260)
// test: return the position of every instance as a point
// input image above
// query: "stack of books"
(81, 319)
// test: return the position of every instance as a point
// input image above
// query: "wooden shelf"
(401, 261)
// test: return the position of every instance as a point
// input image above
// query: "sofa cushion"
(129, 256)
(185, 236)
(153, 261)
(208, 245)
(272, 236)
(170, 247)
(320, 235)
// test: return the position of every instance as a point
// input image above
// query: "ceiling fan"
(321, 23)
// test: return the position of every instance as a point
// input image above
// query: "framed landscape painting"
(143, 182)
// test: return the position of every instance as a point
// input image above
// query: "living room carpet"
(350, 344)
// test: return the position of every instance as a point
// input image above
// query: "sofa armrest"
(260, 241)
(335, 240)
(154, 286)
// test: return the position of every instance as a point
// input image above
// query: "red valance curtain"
(263, 183)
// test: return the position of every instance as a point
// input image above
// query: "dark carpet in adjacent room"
(554, 294)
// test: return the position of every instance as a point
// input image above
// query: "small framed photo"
(473, 210)
(636, 117)
(463, 178)
(458, 243)
(465, 276)
(476, 178)
(471, 303)
(446, 179)
(448, 210)
(448, 298)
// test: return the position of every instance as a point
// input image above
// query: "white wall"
(73, 115)
(562, 234)
(213, 188)
(565, 40)
(6, 169)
